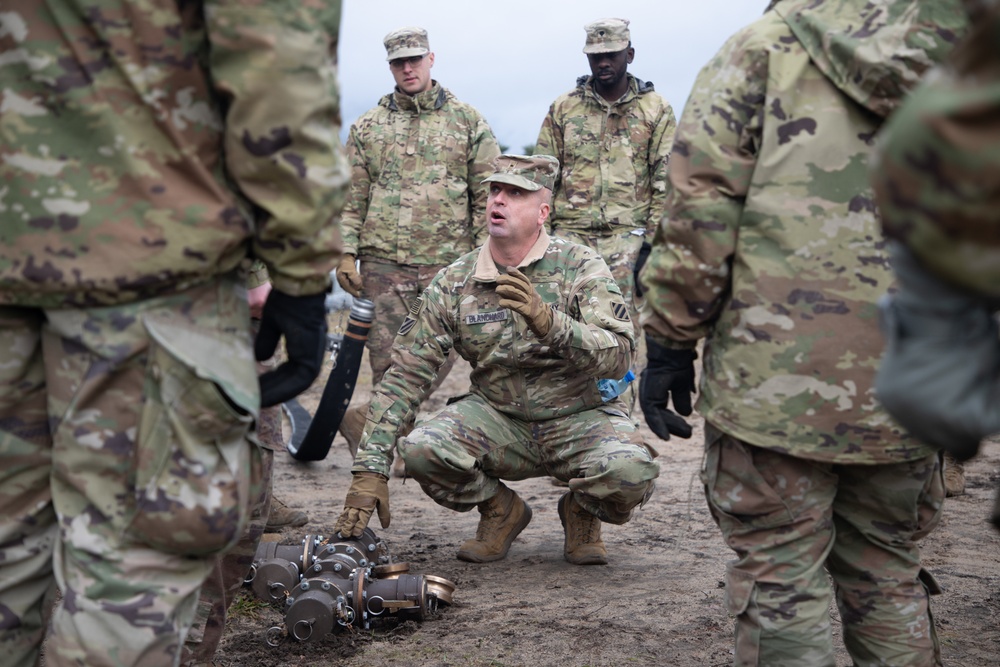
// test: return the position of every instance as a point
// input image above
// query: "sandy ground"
(658, 602)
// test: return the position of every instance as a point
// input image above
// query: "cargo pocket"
(195, 457)
(740, 587)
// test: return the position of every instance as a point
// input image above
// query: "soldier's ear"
(543, 213)
(430, 59)
(629, 55)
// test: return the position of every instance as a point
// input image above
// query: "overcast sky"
(510, 59)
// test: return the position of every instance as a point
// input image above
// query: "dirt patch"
(658, 602)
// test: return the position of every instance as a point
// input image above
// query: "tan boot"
(353, 425)
(502, 518)
(954, 477)
(283, 516)
(583, 545)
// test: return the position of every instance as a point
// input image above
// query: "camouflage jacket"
(416, 169)
(138, 136)
(517, 373)
(770, 248)
(613, 157)
(938, 163)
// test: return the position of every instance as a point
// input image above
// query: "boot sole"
(470, 557)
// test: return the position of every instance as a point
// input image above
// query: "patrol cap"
(406, 42)
(607, 36)
(530, 172)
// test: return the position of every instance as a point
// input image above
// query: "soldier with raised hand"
(150, 150)
(612, 135)
(540, 319)
(937, 182)
(416, 199)
(770, 251)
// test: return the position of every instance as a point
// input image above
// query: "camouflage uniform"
(416, 202)
(230, 571)
(770, 251)
(128, 394)
(936, 178)
(540, 416)
(612, 185)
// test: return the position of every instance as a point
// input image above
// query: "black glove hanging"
(669, 375)
(302, 322)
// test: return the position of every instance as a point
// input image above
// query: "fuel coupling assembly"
(331, 583)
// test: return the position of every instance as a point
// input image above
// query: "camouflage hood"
(636, 87)
(875, 51)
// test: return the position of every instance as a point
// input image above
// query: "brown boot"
(353, 425)
(583, 545)
(954, 477)
(502, 518)
(283, 516)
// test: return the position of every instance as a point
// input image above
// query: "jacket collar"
(433, 98)
(636, 87)
(486, 269)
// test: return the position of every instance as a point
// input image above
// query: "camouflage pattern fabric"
(938, 164)
(769, 248)
(146, 148)
(620, 252)
(591, 338)
(230, 571)
(935, 176)
(393, 288)
(770, 251)
(791, 520)
(460, 454)
(416, 167)
(613, 158)
(105, 413)
(112, 146)
(227, 577)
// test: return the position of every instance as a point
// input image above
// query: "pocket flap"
(201, 350)
(739, 590)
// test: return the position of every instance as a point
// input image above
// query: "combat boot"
(583, 545)
(352, 425)
(954, 477)
(502, 518)
(283, 516)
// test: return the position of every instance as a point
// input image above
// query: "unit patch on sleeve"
(411, 317)
(620, 311)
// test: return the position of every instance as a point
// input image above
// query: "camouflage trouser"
(791, 521)
(228, 575)
(392, 288)
(230, 572)
(124, 471)
(620, 251)
(460, 455)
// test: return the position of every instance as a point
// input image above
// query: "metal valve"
(332, 583)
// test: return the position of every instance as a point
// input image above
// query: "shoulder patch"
(406, 326)
(620, 311)
(416, 305)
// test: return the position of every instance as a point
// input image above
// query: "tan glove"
(368, 491)
(515, 292)
(348, 276)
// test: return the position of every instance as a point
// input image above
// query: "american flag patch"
(620, 311)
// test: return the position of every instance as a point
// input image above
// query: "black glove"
(302, 321)
(640, 261)
(669, 374)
